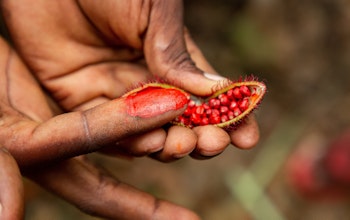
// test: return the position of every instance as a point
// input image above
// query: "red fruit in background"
(311, 170)
(337, 159)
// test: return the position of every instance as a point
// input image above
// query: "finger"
(78, 133)
(11, 188)
(165, 49)
(97, 193)
(109, 80)
(247, 134)
(138, 145)
(211, 141)
(197, 55)
(180, 142)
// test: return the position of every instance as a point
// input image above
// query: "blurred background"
(301, 49)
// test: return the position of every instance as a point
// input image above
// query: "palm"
(75, 61)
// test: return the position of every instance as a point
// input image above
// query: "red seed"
(191, 104)
(231, 115)
(215, 112)
(195, 119)
(199, 110)
(224, 100)
(245, 91)
(214, 103)
(206, 106)
(188, 111)
(214, 119)
(236, 112)
(224, 118)
(183, 120)
(204, 121)
(208, 111)
(237, 93)
(223, 109)
(233, 105)
(230, 95)
(244, 104)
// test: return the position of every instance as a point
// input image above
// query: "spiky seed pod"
(230, 103)
(226, 107)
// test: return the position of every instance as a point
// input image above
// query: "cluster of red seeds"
(223, 108)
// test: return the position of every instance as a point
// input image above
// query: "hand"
(86, 53)
(31, 132)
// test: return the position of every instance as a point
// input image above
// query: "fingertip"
(138, 145)
(180, 142)
(170, 211)
(211, 140)
(247, 134)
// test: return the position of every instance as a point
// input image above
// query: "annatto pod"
(227, 107)
(230, 103)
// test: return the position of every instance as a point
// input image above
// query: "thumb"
(165, 49)
(77, 133)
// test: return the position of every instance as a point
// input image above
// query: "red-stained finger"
(97, 193)
(77, 133)
(11, 188)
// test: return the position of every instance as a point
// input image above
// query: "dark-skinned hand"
(85, 54)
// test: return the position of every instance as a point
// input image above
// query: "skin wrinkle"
(86, 126)
(156, 205)
(104, 181)
(144, 28)
(99, 33)
(7, 76)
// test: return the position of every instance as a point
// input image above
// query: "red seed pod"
(228, 106)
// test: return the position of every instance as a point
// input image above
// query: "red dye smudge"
(153, 101)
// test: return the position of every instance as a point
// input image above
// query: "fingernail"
(214, 76)
(4, 150)
(154, 101)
